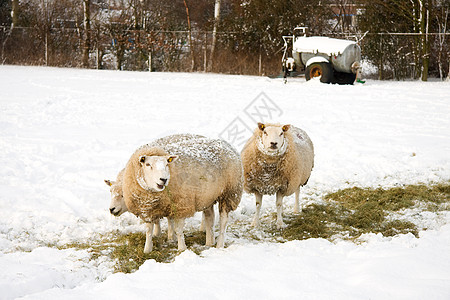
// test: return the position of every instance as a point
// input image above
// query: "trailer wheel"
(322, 70)
(344, 78)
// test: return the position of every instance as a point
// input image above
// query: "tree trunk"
(190, 37)
(15, 12)
(87, 32)
(214, 37)
(448, 75)
(14, 21)
(425, 42)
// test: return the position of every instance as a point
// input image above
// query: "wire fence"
(390, 55)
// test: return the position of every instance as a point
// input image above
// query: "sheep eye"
(265, 133)
(147, 164)
(281, 133)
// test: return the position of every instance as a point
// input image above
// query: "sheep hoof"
(147, 249)
(209, 243)
(220, 243)
(256, 224)
(280, 225)
(157, 231)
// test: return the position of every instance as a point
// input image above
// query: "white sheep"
(277, 160)
(117, 206)
(179, 175)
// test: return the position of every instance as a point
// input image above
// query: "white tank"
(340, 53)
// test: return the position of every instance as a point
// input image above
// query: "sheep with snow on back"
(179, 175)
(277, 160)
(117, 206)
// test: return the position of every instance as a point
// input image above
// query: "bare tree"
(87, 32)
(442, 19)
(14, 21)
(343, 10)
(191, 46)
(214, 35)
(424, 21)
(410, 16)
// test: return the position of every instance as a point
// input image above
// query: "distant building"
(346, 15)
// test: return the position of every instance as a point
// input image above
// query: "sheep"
(277, 160)
(118, 206)
(179, 175)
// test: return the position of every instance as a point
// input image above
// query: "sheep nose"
(111, 210)
(273, 144)
(164, 180)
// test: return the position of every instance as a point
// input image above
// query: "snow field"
(62, 131)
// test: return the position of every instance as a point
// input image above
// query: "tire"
(322, 70)
(344, 78)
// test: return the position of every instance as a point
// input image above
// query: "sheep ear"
(261, 126)
(172, 158)
(108, 182)
(286, 127)
(142, 159)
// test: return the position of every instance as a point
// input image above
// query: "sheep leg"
(280, 223)
(256, 223)
(179, 226)
(148, 237)
(223, 228)
(202, 225)
(156, 228)
(209, 225)
(170, 230)
(297, 201)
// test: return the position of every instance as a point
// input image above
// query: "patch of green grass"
(315, 221)
(393, 199)
(355, 211)
(348, 214)
(129, 252)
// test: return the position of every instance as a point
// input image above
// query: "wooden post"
(205, 52)
(150, 62)
(46, 48)
(87, 32)
(260, 64)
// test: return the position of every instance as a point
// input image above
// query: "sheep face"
(156, 172)
(117, 206)
(272, 138)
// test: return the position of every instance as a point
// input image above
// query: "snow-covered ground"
(63, 131)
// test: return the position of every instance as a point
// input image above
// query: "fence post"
(46, 48)
(98, 63)
(260, 58)
(150, 62)
(260, 64)
(380, 64)
(205, 52)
